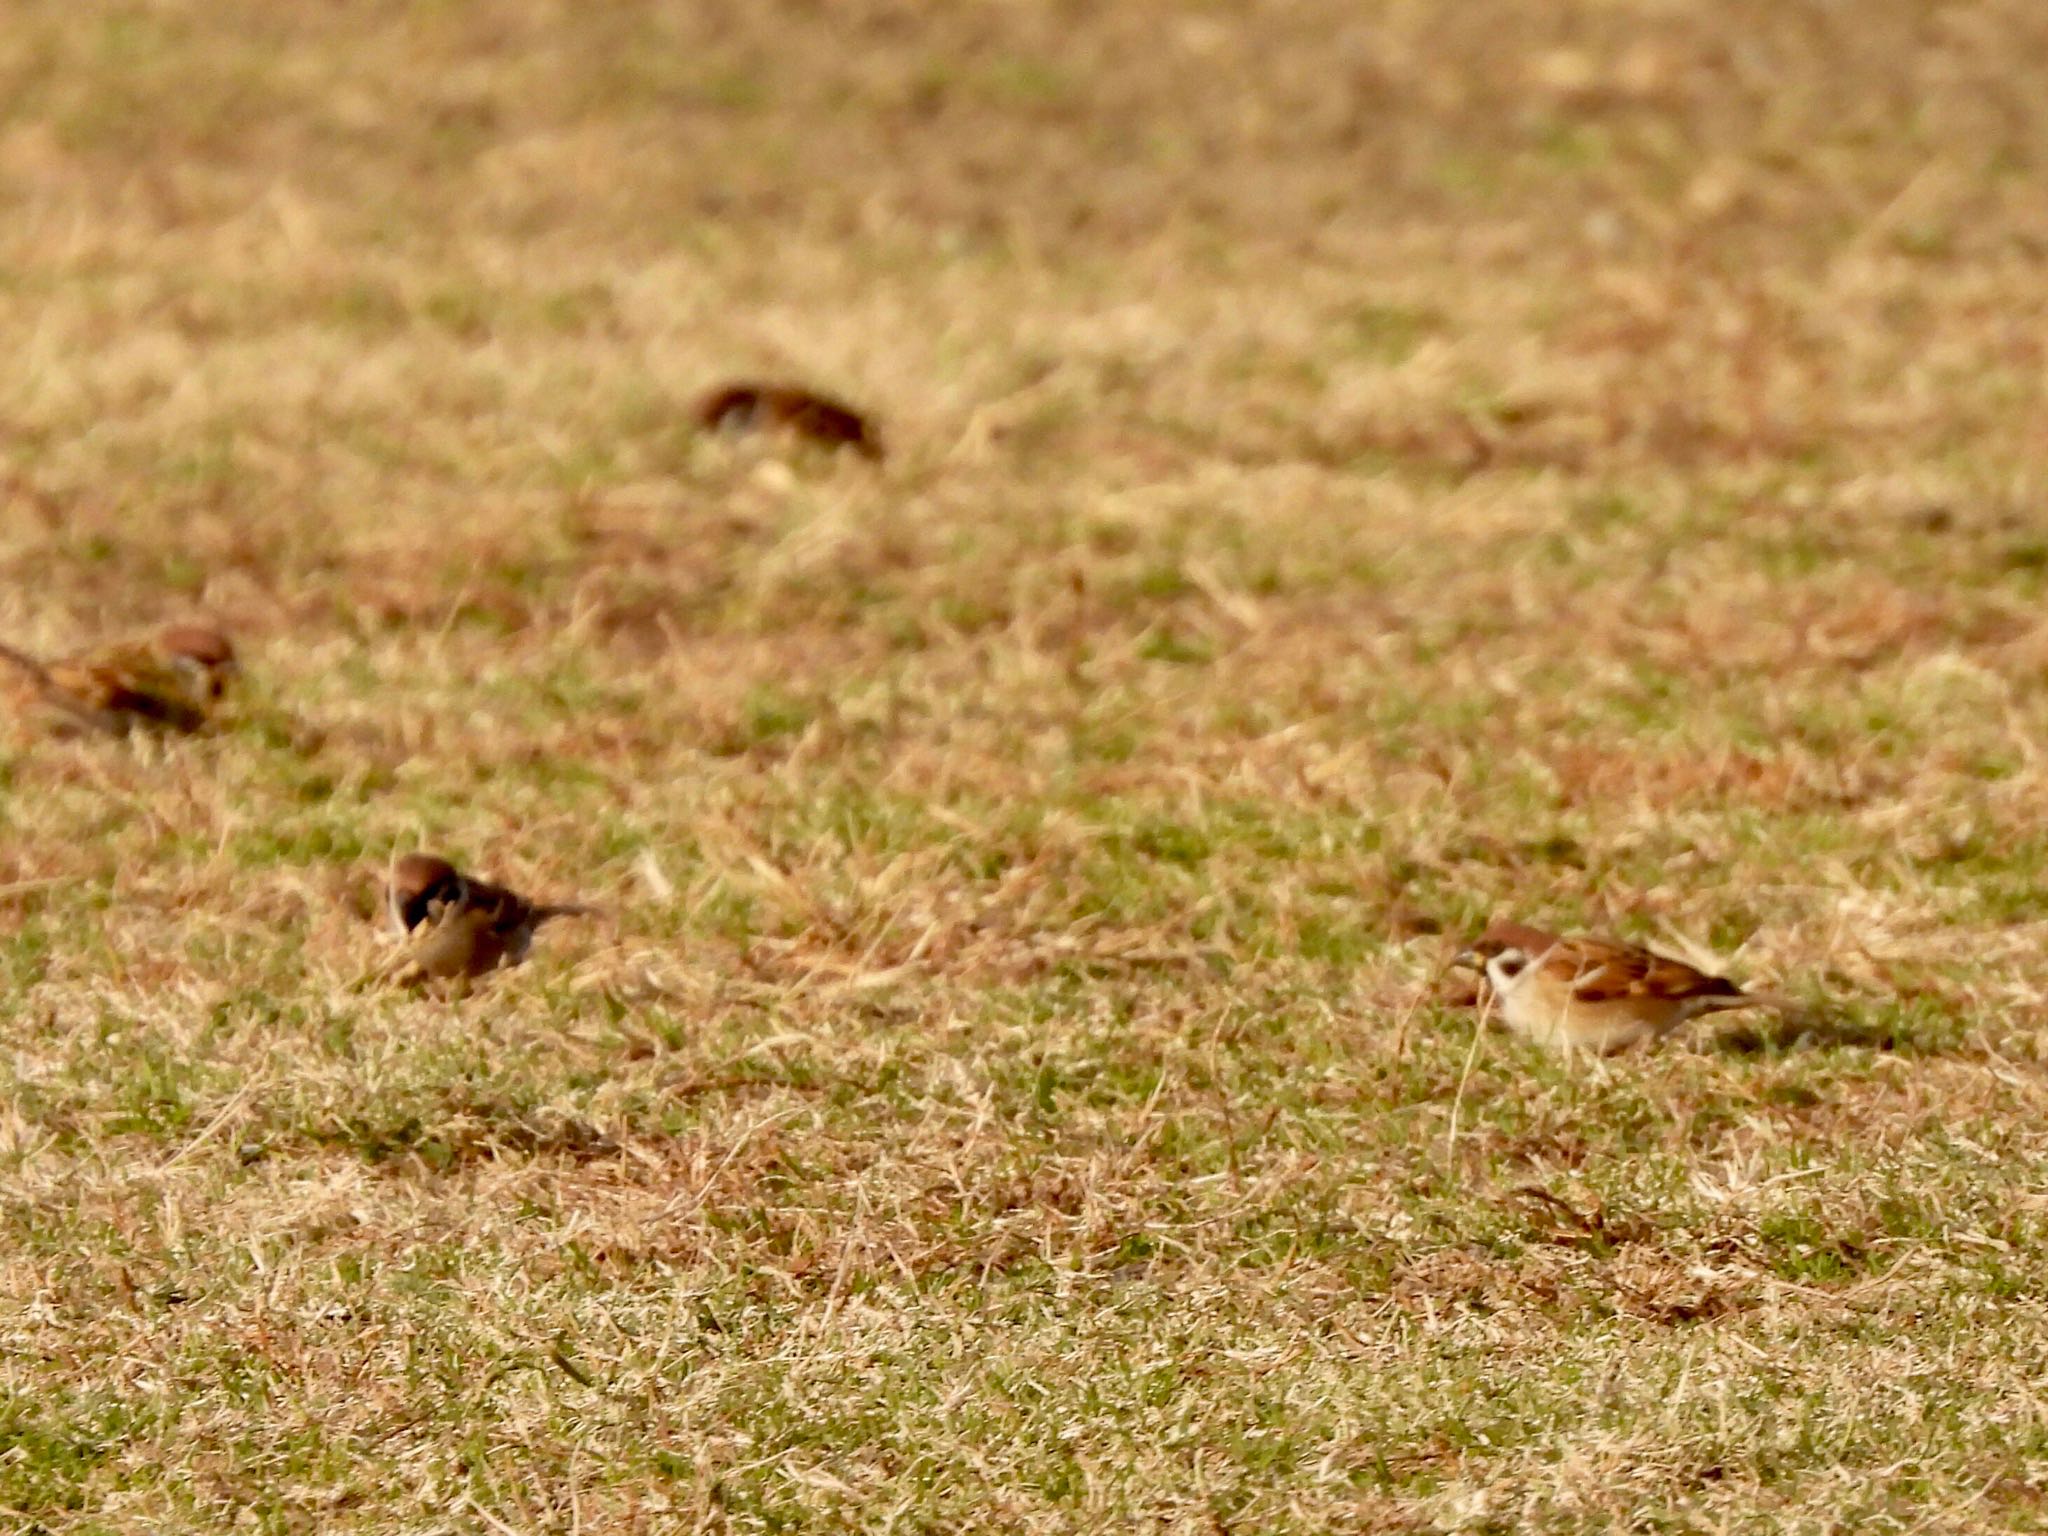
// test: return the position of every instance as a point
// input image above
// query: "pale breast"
(1544, 1009)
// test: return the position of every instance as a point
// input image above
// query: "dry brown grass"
(1354, 470)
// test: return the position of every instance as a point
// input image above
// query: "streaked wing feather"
(1600, 971)
(142, 692)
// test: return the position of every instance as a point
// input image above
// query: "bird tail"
(1777, 1002)
(54, 694)
(542, 912)
(37, 672)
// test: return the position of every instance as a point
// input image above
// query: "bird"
(753, 405)
(1596, 995)
(457, 927)
(172, 680)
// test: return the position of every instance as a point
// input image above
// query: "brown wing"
(748, 405)
(828, 421)
(124, 688)
(508, 910)
(1601, 971)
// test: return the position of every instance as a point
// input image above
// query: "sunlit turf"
(1354, 473)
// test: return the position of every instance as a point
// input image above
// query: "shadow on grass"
(1821, 1029)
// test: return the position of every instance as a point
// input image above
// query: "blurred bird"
(458, 928)
(751, 406)
(174, 680)
(1582, 994)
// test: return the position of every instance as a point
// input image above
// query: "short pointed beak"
(1467, 959)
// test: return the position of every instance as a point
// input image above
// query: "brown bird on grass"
(1583, 994)
(174, 680)
(753, 406)
(458, 927)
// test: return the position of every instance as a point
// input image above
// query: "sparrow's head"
(1499, 961)
(420, 883)
(1504, 965)
(202, 655)
(731, 408)
(1499, 942)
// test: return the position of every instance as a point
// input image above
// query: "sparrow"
(1596, 995)
(752, 406)
(173, 680)
(457, 927)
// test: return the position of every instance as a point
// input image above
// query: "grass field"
(1355, 470)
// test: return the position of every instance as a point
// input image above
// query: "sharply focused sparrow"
(752, 407)
(458, 927)
(174, 680)
(1580, 994)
